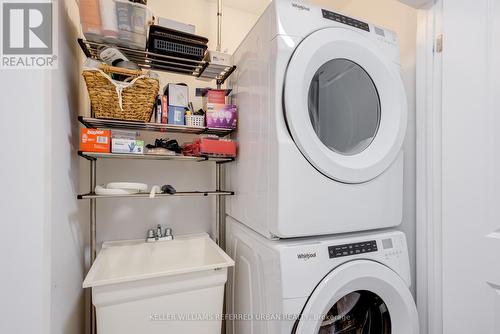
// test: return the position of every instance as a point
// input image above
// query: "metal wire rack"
(160, 62)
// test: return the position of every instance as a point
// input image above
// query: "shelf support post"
(217, 205)
(220, 206)
(219, 25)
(220, 221)
(93, 234)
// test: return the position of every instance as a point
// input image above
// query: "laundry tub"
(162, 287)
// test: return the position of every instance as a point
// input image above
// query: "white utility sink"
(140, 287)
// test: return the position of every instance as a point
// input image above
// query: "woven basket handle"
(119, 70)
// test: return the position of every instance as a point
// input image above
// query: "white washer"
(322, 119)
(318, 286)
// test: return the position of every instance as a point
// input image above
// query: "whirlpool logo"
(300, 7)
(306, 256)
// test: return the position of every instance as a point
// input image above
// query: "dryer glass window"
(360, 312)
(344, 106)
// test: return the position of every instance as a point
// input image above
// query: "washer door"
(345, 105)
(360, 297)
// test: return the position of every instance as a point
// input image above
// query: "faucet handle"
(158, 235)
(151, 233)
(151, 236)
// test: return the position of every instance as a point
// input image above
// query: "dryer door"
(345, 105)
(360, 297)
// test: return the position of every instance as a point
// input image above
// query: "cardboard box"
(124, 134)
(176, 115)
(178, 95)
(208, 95)
(221, 116)
(214, 96)
(176, 25)
(210, 147)
(130, 146)
(218, 58)
(95, 140)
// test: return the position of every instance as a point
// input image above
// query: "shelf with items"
(159, 62)
(95, 156)
(146, 195)
(99, 123)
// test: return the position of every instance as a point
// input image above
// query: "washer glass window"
(359, 312)
(344, 106)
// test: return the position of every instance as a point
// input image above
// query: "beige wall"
(119, 219)
(130, 219)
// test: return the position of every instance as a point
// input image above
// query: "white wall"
(42, 239)
(69, 233)
(25, 237)
(470, 167)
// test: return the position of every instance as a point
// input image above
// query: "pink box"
(215, 96)
(221, 116)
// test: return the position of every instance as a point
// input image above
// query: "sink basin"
(140, 287)
(124, 261)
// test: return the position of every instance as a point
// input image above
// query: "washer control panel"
(345, 20)
(352, 249)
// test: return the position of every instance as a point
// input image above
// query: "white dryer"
(346, 284)
(322, 119)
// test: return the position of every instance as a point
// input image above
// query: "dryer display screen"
(352, 249)
(345, 20)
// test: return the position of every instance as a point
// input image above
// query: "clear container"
(115, 21)
(90, 19)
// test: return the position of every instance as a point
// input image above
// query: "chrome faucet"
(158, 235)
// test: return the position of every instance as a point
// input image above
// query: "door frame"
(429, 167)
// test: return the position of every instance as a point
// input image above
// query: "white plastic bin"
(159, 288)
(115, 21)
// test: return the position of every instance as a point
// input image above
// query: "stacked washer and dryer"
(322, 119)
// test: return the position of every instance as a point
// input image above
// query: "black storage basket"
(176, 43)
(178, 50)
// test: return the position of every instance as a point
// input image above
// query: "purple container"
(223, 116)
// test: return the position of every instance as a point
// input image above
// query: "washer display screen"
(352, 249)
(345, 20)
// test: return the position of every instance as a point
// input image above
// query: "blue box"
(176, 115)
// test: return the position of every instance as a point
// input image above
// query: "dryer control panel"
(352, 249)
(345, 20)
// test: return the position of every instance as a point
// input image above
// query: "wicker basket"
(136, 101)
(195, 120)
